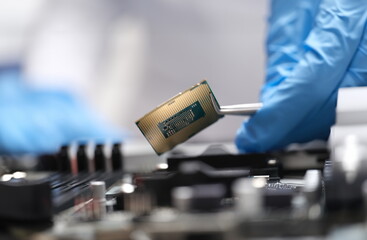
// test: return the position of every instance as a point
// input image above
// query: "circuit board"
(179, 118)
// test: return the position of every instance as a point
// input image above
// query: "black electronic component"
(64, 160)
(82, 158)
(207, 197)
(279, 198)
(99, 158)
(38, 196)
(24, 201)
(189, 174)
(117, 157)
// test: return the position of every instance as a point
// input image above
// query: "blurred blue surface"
(40, 120)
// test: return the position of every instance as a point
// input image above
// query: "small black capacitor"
(99, 158)
(82, 158)
(117, 157)
(63, 160)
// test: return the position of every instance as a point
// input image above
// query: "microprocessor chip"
(179, 118)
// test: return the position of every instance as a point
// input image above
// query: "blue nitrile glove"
(308, 60)
(39, 121)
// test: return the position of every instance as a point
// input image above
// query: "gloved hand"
(40, 121)
(313, 49)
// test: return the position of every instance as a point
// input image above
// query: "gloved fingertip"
(239, 145)
(244, 142)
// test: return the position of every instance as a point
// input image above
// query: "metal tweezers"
(238, 109)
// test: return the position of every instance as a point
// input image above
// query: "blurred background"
(122, 58)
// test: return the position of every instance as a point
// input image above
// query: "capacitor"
(64, 159)
(98, 189)
(99, 158)
(82, 158)
(116, 157)
(249, 197)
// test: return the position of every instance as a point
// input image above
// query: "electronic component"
(216, 195)
(179, 118)
(98, 189)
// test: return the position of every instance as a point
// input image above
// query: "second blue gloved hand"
(39, 121)
(304, 73)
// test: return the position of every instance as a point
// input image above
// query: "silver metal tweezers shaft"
(238, 109)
